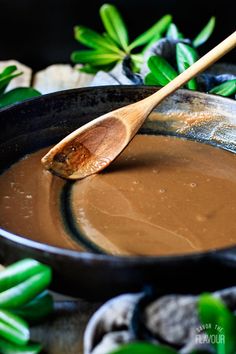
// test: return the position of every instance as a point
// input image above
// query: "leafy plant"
(152, 34)
(205, 33)
(113, 46)
(173, 32)
(221, 322)
(17, 94)
(161, 71)
(6, 76)
(185, 57)
(200, 39)
(23, 298)
(226, 89)
(144, 348)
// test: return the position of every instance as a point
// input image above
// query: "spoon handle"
(202, 64)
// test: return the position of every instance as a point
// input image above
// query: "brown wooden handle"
(202, 64)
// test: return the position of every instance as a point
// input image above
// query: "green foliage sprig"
(222, 323)
(108, 48)
(226, 89)
(112, 46)
(144, 348)
(201, 38)
(186, 55)
(16, 95)
(205, 33)
(161, 71)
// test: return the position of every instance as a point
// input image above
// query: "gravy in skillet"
(162, 196)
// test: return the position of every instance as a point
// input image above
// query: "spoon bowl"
(92, 147)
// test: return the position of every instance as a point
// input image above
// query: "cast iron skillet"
(45, 120)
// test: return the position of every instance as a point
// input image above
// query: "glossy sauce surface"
(163, 195)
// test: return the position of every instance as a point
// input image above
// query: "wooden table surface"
(63, 332)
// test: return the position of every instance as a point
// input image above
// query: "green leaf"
(151, 80)
(37, 309)
(17, 95)
(186, 56)
(200, 351)
(7, 348)
(111, 41)
(220, 324)
(89, 69)
(173, 32)
(137, 58)
(226, 89)
(191, 84)
(153, 33)
(6, 76)
(94, 40)
(136, 62)
(205, 33)
(114, 25)
(7, 71)
(94, 57)
(161, 69)
(144, 348)
(93, 69)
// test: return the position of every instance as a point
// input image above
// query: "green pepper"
(13, 328)
(37, 309)
(7, 348)
(19, 272)
(24, 292)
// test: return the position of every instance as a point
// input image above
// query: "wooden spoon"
(95, 145)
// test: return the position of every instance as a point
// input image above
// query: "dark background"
(40, 33)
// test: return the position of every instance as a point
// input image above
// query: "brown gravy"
(163, 195)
